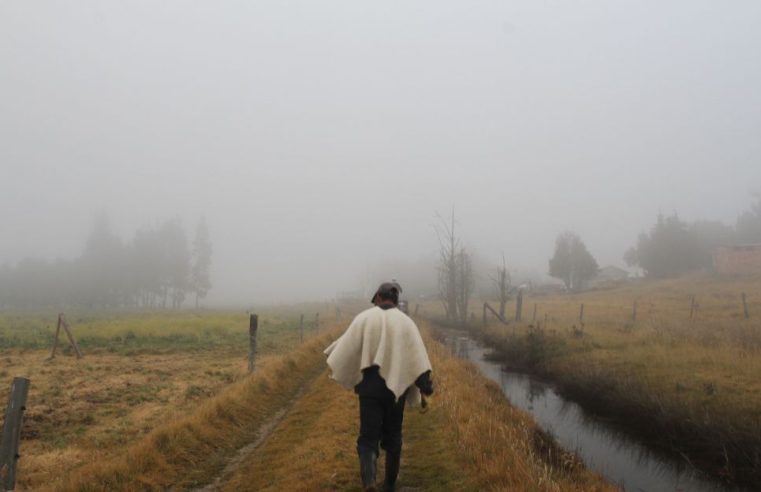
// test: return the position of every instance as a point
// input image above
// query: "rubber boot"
(367, 469)
(392, 471)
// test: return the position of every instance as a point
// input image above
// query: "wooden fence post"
(533, 318)
(692, 308)
(494, 312)
(70, 335)
(63, 324)
(417, 307)
(317, 320)
(518, 305)
(253, 325)
(745, 307)
(634, 311)
(12, 432)
(581, 312)
(483, 316)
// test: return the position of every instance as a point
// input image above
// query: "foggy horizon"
(320, 141)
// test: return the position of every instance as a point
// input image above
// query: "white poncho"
(388, 339)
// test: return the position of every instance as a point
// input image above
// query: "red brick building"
(738, 259)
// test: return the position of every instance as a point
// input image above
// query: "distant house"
(741, 259)
(611, 273)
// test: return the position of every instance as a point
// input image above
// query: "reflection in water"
(617, 456)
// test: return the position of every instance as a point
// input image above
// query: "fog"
(320, 139)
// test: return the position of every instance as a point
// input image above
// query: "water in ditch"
(618, 457)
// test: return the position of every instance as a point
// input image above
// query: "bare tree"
(455, 271)
(503, 283)
(464, 283)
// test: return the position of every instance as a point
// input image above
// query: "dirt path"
(261, 436)
(313, 448)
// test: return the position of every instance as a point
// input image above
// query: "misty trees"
(174, 264)
(709, 235)
(572, 262)
(749, 223)
(200, 282)
(159, 266)
(671, 248)
(154, 270)
(101, 266)
(455, 271)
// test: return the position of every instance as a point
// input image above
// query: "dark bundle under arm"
(424, 383)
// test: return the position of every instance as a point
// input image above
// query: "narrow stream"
(618, 457)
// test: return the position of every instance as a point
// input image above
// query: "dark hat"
(387, 289)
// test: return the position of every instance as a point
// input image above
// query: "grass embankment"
(139, 371)
(191, 450)
(687, 385)
(471, 439)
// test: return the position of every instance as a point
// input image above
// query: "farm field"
(683, 374)
(139, 371)
(154, 416)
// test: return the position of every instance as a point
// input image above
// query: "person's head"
(388, 292)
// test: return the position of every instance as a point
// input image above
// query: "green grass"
(154, 332)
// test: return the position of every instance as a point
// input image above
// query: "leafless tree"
(503, 283)
(464, 283)
(455, 271)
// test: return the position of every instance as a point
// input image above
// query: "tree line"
(671, 247)
(157, 269)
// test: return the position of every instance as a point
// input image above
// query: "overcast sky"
(320, 138)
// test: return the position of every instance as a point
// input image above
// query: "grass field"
(163, 400)
(689, 383)
(141, 413)
(139, 371)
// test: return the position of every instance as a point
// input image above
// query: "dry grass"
(470, 440)
(140, 370)
(691, 382)
(314, 449)
(502, 445)
(311, 449)
(190, 450)
(159, 421)
(80, 410)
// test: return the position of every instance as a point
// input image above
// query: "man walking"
(381, 355)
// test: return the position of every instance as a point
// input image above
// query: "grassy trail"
(471, 439)
(313, 449)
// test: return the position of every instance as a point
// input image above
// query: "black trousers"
(380, 422)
